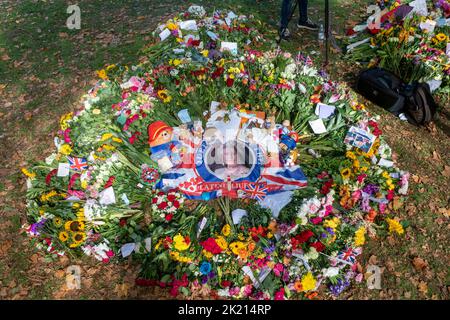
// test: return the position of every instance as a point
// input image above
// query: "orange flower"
(315, 98)
(298, 286)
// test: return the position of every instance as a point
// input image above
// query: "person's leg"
(303, 10)
(304, 22)
(285, 5)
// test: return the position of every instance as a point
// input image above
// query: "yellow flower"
(345, 173)
(207, 254)
(164, 96)
(118, 140)
(63, 122)
(102, 74)
(57, 222)
(29, 174)
(78, 237)
(308, 282)
(63, 236)
(360, 238)
(237, 246)
(395, 226)
(226, 230)
(385, 175)
(112, 66)
(47, 196)
(221, 242)
(65, 149)
(74, 225)
(106, 136)
(356, 164)
(171, 26)
(180, 243)
(350, 155)
(96, 111)
(176, 62)
(205, 53)
(441, 37)
(84, 184)
(332, 223)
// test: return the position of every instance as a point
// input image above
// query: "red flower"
(110, 182)
(160, 193)
(48, 178)
(226, 283)
(123, 222)
(171, 197)
(319, 246)
(176, 204)
(230, 82)
(169, 216)
(217, 73)
(154, 200)
(162, 205)
(211, 245)
(301, 238)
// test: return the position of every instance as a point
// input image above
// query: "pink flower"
(316, 220)
(279, 295)
(278, 269)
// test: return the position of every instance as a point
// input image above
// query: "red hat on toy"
(294, 135)
(155, 128)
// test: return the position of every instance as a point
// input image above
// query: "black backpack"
(391, 93)
(382, 88)
(420, 107)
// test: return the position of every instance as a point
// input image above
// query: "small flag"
(77, 164)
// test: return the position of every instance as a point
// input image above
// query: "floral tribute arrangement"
(412, 41)
(118, 184)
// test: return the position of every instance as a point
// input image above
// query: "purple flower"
(337, 289)
(371, 188)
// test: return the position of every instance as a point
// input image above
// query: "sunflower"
(441, 37)
(74, 226)
(164, 96)
(345, 173)
(63, 236)
(57, 221)
(78, 238)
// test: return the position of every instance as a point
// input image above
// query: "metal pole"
(327, 31)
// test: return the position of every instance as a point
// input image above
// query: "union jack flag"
(255, 191)
(349, 254)
(77, 164)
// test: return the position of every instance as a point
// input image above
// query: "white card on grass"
(212, 35)
(447, 50)
(214, 107)
(229, 46)
(125, 199)
(428, 25)
(324, 110)
(188, 25)
(107, 196)
(419, 7)
(385, 163)
(63, 170)
(127, 249)
(237, 215)
(184, 116)
(317, 126)
(164, 34)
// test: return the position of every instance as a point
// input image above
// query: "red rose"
(226, 283)
(162, 205)
(176, 204)
(230, 82)
(123, 222)
(169, 216)
(154, 200)
(318, 245)
(160, 193)
(171, 197)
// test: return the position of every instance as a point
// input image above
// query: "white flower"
(330, 272)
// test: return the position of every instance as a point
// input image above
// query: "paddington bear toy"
(162, 147)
